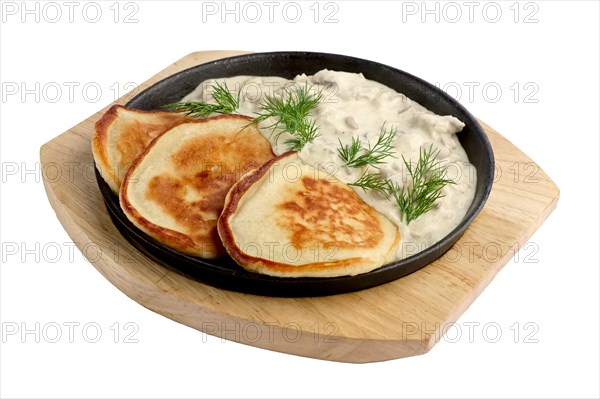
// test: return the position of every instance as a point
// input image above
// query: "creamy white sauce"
(355, 106)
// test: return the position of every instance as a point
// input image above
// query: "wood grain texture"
(402, 318)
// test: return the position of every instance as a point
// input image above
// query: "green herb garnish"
(291, 113)
(374, 181)
(428, 178)
(356, 155)
(226, 103)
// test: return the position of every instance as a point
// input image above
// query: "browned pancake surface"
(310, 226)
(175, 191)
(319, 212)
(122, 135)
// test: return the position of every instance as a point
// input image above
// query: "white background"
(553, 284)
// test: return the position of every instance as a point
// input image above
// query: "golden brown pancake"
(176, 189)
(288, 219)
(123, 134)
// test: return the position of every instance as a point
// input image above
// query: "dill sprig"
(349, 152)
(374, 181)
(428, 178)
(356, 155)
(291, 114)
(226, 103)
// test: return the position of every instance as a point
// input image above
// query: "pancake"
(122, 135)
(288, 219)
(176, 189)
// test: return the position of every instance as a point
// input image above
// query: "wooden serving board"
(403, 318)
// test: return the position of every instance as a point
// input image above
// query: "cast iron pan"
(225, 273)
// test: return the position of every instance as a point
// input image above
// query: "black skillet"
(225, 273)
